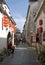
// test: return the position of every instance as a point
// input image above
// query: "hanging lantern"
(40, 22)
(5, 21)
(41, 29)
(5, 25)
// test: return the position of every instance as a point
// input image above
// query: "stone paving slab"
(22, 57)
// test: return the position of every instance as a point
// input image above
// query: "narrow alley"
(22, 32)
(23, 55)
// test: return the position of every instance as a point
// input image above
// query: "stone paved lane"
(22, 56)
(22, 44)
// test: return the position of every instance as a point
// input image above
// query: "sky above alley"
(18, 9)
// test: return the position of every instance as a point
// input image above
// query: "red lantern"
(40, 22)
(41, 29)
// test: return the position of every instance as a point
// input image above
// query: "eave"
(39, 11)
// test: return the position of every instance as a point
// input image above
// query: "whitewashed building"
(7, 26)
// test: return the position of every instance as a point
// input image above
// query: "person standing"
(10, 47)
(37, 43)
